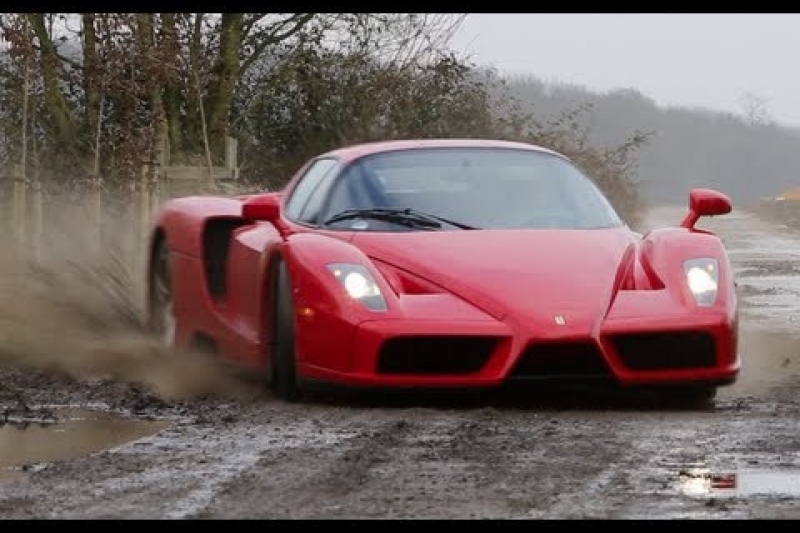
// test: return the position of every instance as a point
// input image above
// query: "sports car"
(445, 264)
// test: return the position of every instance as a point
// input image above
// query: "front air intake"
(561, 360)
(435, 355)
(676, 350)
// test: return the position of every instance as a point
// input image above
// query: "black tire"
(160, 296)
(692, 396)
(284, 373)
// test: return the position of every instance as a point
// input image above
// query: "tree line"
(748, 154)
(91, 98)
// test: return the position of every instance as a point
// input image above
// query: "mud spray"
(73, 306)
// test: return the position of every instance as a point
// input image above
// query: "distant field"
(781, 212)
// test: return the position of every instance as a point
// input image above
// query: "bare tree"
(755, 109)
(108, 89)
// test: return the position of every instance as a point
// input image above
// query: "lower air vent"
(561, 360)
(666, 350)
(435, 355)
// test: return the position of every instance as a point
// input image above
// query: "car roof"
(355, 151)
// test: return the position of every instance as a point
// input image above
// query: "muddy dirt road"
(121, 451)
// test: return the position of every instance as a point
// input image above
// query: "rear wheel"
(284, 374)
(161, 321)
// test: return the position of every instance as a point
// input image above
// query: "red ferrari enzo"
(445, 264)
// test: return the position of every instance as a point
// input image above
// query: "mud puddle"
(68, 434)
(741, 483)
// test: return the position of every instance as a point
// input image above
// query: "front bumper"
(400, 353)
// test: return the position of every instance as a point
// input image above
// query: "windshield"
(489, 188)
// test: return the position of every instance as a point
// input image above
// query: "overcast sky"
(705, 60)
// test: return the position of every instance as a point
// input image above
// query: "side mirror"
(265, 207)
(705, 203)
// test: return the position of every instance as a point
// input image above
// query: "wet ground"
(75, 447)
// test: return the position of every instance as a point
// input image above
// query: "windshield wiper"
(407, 216)
(459, 225)
(389, 215)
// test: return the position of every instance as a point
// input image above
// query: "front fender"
(663, 252)
(316, 290)
(326, 317)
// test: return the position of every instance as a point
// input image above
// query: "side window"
(312, 212)
(305, 188)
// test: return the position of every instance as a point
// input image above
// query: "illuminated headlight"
(359, 285)
(702, 276)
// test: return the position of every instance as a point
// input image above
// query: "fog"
(715, 91)
(706, 60)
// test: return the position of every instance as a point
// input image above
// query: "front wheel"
(284, 373)
(691, 396)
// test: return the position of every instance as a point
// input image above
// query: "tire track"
(301, 482)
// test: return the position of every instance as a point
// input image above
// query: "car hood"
(531, 274)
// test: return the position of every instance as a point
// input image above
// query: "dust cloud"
(71, 304)
(769, 358)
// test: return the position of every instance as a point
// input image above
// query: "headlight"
(359, 285)
(702, 276)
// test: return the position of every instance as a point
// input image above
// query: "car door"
(247, 305)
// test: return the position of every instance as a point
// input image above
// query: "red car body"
(465, 309)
